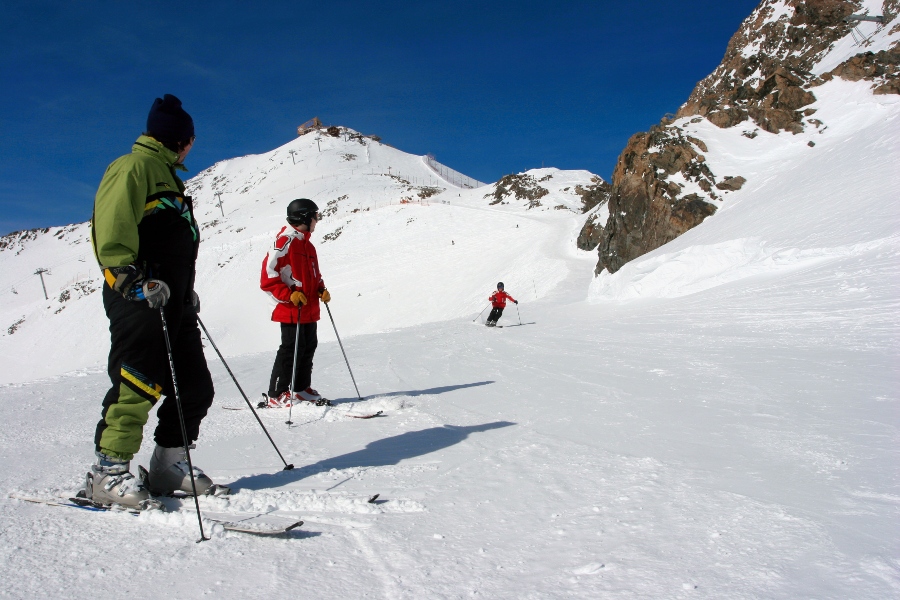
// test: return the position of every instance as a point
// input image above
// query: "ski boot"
(491, 323)
(111, 483)
(283, 400)
(169, 475)
(312, 396)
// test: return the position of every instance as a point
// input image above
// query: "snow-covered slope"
(399, 246)
(717, 419)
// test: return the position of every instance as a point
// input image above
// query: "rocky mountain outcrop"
(594, 199)
(882, 68)
(765, 81)
(520, 186)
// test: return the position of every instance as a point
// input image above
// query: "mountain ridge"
(765, 82)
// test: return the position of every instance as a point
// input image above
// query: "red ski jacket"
(292, 265)
(498, 299)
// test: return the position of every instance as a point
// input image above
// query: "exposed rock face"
(593, 195)
(662, 186)
(646, 209)
(767, 64)
(593, 198)
(521, 186)
(883, 68)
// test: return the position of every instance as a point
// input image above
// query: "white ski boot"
(110, 482)
(169, 474)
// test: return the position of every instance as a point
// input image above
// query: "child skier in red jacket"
(290, 275)
(498, 301)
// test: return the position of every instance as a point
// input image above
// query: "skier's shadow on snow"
(380, 453)
(430, 391)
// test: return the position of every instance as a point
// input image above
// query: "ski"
(227, 523)
(324, 402)
(371, 416)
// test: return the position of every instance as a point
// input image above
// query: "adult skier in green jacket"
(146, 239)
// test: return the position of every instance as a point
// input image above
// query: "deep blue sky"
(490, 88)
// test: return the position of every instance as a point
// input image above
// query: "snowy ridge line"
(452, 176)
(413, 179)
(701, 267)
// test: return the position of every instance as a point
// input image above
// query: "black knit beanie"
(168, 122)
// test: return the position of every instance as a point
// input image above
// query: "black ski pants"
(140, 374)
(495, 314)
(307, 342)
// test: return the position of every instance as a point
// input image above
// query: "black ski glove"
(516, 301)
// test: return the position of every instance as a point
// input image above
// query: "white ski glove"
(155, 292)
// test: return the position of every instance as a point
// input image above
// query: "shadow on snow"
(428, 392)
(380, 453)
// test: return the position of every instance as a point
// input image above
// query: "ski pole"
(518, 313)
(481, 313)
(287, 467)
(187, 450)
(294, 369)
(342, 350)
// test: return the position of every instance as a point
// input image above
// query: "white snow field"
(719, 419)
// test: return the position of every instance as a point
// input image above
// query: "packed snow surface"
(719, 419)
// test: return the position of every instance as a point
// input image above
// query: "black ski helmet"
(301, 211)
(500, 285)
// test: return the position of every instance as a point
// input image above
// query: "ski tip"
(372, 416)
(373, 499)
(242, 528)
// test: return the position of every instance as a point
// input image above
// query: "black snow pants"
(140, 374)
(280, 380)
(495, 314)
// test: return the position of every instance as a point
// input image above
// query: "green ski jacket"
(134, 185)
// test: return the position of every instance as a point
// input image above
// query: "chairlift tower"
(854, 20)
(41, 272)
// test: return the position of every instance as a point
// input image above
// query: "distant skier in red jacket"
(290, 274)
(498, 301)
